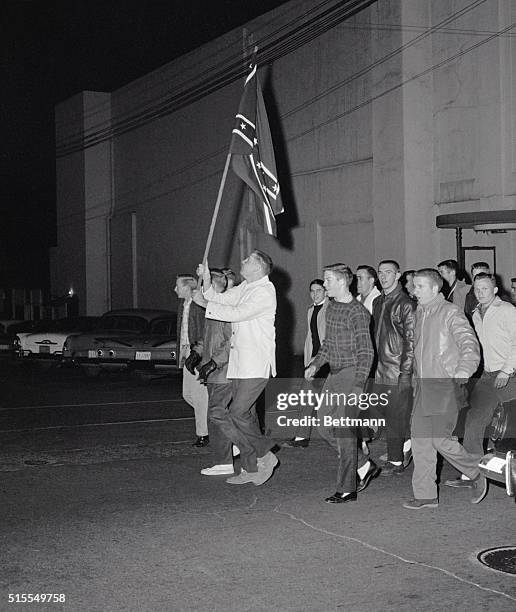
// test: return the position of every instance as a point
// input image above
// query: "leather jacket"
(445, 344)
(393, 315)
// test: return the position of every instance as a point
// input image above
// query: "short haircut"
(392, 262)
(432, 275)
(451, 264)
(341, 271)
(187, 279)
(480, 264)
(485, 276)
(316, 281)
(370, 270)
(219, 279)
(264, 259)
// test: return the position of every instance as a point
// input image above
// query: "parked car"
(45, 341)
(499, 463)
(7, 346)
(133, 338)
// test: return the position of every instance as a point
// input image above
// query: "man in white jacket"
(251, 309)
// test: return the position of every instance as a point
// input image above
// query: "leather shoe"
(372, 472)
(201, 441)
(341, 498)
(293, 443)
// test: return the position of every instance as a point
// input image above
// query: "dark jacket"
(196, 322)
(215, 346)
(393, 315)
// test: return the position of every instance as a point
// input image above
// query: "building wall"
(381, 123)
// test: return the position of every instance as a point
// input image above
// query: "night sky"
(53, 49)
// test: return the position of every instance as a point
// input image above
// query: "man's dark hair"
(451, 264)
(370, 270)
(405, 276)
(316, 281)
(480, 264)
(433, 276)
(341, 270)
(265, 260)
(219, 279)
(485, 275)
(228, 273)
(392, 262)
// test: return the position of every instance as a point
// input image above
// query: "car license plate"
(143, 355)
(92, 354)
(44, 349)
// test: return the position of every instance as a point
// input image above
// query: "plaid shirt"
(348, 340)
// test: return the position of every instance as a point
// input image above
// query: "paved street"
(102, 501)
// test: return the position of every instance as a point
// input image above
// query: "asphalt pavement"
(103, 503)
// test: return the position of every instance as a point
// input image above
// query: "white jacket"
(251, 310)
(497, 335)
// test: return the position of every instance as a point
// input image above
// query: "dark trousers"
(396, 413)
(483, 402)
(239, 423)
(342, 439)
(219, 397)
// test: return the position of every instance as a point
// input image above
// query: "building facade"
(382, 121)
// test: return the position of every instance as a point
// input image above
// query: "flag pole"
(216, 209)
(219, 198)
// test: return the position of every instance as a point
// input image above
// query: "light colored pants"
(196, 395)
(432, 435)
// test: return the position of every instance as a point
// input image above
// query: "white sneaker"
(218, 470)
(236, 450)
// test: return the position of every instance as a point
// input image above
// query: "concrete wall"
(381, 123)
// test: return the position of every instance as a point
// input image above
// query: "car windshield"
(164, 327)
(122, 322)
(74, 324)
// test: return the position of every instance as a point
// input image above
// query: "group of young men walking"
(409, 343)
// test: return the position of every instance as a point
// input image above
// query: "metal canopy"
(470, 219)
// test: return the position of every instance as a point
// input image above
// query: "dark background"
(53, 49)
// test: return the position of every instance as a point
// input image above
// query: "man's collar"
(495, 303)
(261, 281)
(436, 300)
(394, 292)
